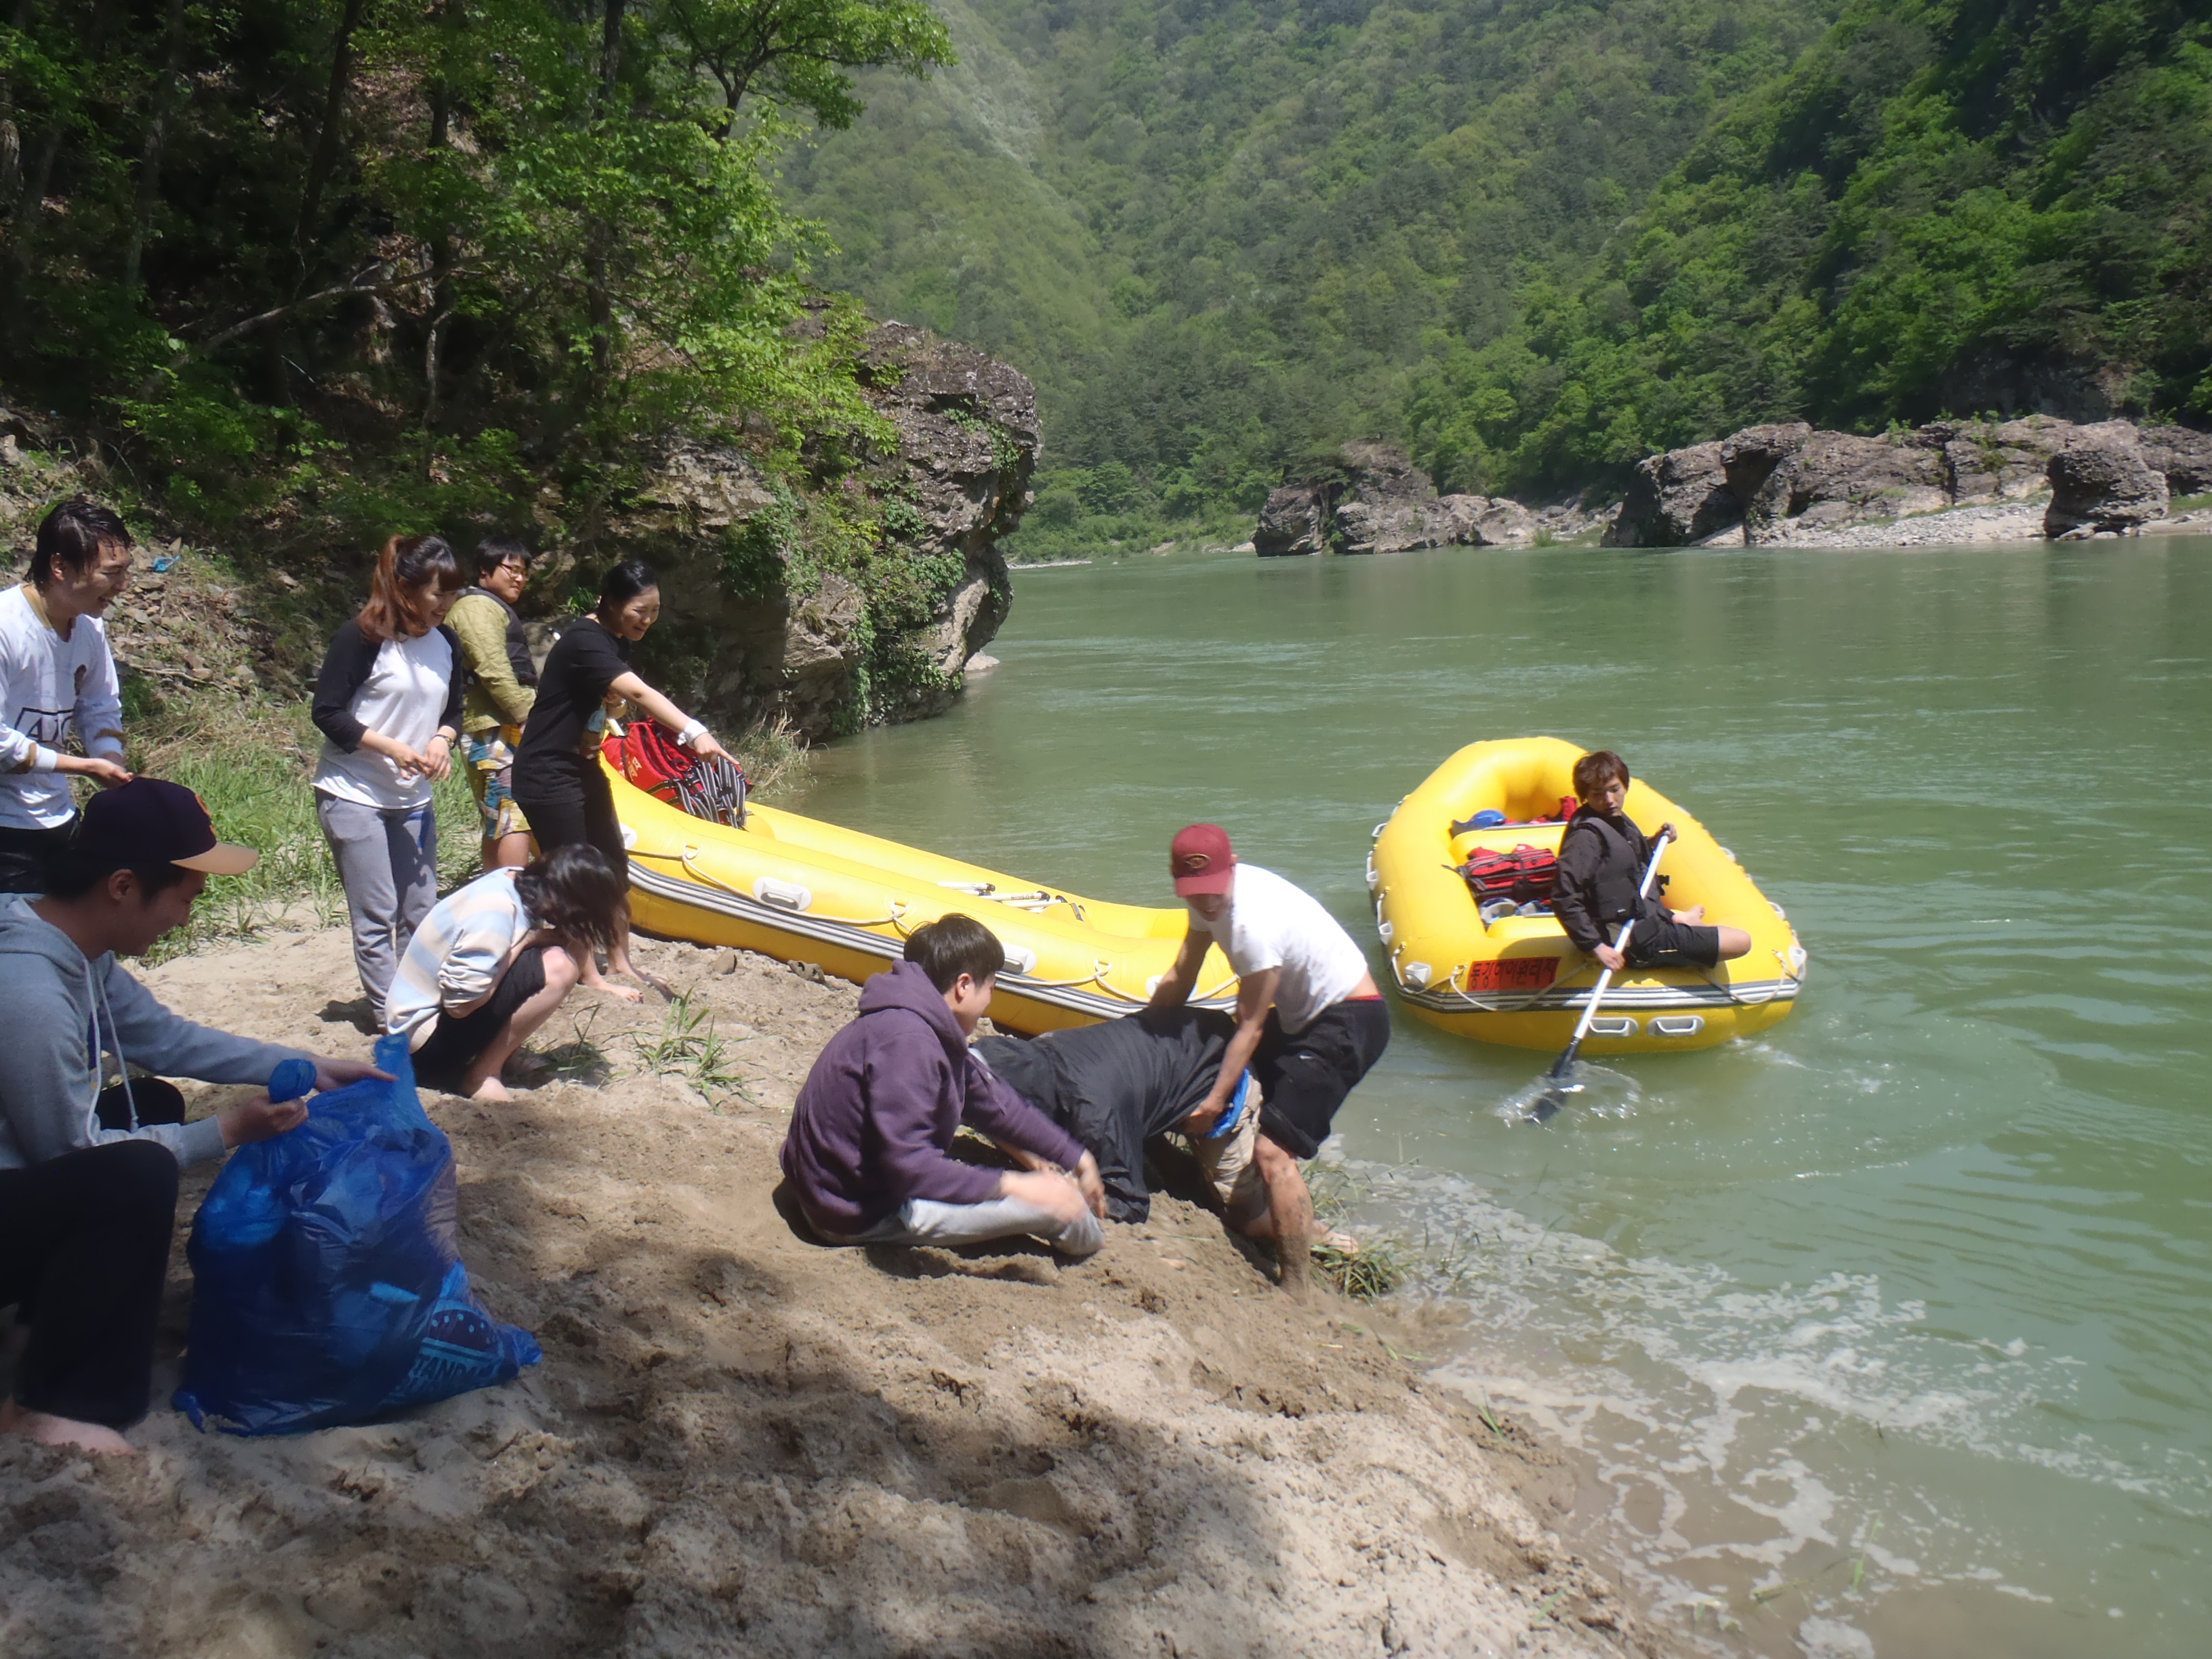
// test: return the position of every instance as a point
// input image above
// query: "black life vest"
(1613, 897)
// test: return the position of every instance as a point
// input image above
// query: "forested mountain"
(1535, 239)
(379, 264)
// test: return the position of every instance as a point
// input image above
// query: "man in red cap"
(1310, 1022)
(88, 1174)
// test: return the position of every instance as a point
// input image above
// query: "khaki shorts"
(1233, 1166)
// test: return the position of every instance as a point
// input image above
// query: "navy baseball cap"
(152, 821)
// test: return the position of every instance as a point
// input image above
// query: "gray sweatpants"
(387, 860)
(925, 1221)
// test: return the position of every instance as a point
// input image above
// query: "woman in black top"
(558, 783)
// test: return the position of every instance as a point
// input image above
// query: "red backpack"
(1527, 875)
(709, 787)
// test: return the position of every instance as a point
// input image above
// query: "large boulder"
(2104, 482)
(1296, 520)
(1991, 461)
(1372, 498)
(755, 627)
(1676, 500)
(1795, 480)
(1389, 504)
(2183, 454)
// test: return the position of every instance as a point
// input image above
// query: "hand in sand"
(1087, 1180)
(47, 1430)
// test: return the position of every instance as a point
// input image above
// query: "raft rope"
(1100, 967)
(1036, 902)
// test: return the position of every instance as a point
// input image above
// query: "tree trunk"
(150, 161)
(325, 158)
(441, 236)
(603, 310)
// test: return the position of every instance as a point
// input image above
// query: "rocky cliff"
(862, 603)
(1780, 484)
(855, 593)
(1371, 498)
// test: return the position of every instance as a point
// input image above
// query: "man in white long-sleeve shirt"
(56, 678)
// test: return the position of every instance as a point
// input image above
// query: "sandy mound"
(742, 1444)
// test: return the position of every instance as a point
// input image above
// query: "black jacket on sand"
(1116, 1085)
(1602, 860)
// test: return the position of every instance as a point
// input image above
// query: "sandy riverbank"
(741, 1444)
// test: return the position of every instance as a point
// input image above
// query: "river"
(1890, 1331)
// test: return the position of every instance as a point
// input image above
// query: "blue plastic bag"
(326, 1287)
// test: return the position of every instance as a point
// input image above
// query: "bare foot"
(49, 1431)
(491, 1089)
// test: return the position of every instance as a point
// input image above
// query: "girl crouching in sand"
(491, 962)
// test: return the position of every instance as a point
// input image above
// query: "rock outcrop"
(2104, 484)
(1296, 520)
(1676, 500)
(755, 628)
(1789, 483)
(1378, 501)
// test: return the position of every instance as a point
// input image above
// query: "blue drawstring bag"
(326, 1287)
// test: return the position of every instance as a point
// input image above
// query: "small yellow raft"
(804, 891)
(1516, 980)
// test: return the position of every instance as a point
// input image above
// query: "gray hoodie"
(61, 1012)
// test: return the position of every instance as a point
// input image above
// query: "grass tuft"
(1377, 1267)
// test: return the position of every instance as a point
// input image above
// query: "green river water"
(1888, 1332)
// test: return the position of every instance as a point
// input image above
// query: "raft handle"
(1677, 1026)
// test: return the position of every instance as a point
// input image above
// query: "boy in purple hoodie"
(869, 1149)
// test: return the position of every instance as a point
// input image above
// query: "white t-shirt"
(49, 685)
(402, 698)
(1269, 923)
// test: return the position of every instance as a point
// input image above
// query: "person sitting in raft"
(496, 647)
(494, 960)
(1309, 1024)
(1603, 855)
(88, 1174)
(869, 1151)
(558, 781)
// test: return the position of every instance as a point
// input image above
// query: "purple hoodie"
(873, 1126)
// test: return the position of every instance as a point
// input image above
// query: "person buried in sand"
(492, 962)
(869, 1151)
(1309, 1024)
(1117, 1085)
(88, 1176)
(1601, 859)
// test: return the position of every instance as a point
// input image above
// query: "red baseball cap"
(1201, 860)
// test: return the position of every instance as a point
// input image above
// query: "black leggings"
(581, 811)
(84, 1249)
(158, 1101)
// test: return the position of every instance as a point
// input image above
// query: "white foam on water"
(1757, 1429)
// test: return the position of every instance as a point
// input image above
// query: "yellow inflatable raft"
(1516, 980)
(804, 891)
